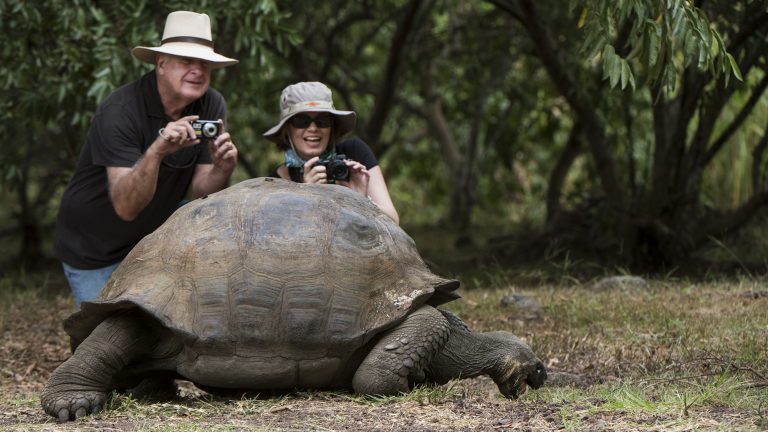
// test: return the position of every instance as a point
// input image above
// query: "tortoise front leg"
(399, 359)
(80, 385)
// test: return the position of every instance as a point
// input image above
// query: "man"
(142, 155)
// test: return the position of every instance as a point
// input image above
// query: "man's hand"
(223, 153)
(213, 178)
(175, 136)
(132, 189)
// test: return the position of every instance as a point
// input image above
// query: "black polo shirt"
(89, 234)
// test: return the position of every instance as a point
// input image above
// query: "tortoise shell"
(275, 272)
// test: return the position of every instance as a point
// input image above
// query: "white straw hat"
(310, 97)
(186, 34)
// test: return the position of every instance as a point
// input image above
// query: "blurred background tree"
(629, 131)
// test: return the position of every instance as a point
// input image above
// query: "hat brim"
(345, 123)
(183, 49)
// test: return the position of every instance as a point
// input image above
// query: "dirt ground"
(33, 344)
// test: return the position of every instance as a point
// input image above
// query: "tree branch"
(757, 160)
(752, 27)
(508, 7)
(433, 113)
(560, 172)
(386, 93)
(746, 110)
(336, 31)
(578, 100)
(700, 152)
(732, 221)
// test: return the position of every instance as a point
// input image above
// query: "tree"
(612, 116)
(675, 62)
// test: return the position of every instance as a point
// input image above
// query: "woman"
(309, 134)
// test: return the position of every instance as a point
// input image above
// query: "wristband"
(160, 134)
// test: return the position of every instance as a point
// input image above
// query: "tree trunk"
(560, 172)
(460, 170)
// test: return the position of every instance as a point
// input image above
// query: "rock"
(524, 307)
(565, 379)
(754, 294)
(620, 282)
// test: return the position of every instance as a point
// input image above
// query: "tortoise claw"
(63, 415)
(72, 406)
(80, 413)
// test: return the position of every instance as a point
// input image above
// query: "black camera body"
(335, 168)
(207, 129)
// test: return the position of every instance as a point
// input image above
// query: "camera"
(335, 168)
(207, 129)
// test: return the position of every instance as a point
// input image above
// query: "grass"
(675, 355)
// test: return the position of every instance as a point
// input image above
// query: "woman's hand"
(314, 173)
(358, 178)
(358, 175)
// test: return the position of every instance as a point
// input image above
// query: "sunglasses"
(302, 121)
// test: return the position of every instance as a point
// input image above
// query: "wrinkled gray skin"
(200, 301)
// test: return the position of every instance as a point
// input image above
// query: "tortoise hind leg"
(155, 388)
(80, 385)
(399, 358)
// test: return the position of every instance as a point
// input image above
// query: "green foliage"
(60, 59)
(84, 54)
(660, 37)
(458, 100)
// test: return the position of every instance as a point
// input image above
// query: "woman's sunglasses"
(302, 121)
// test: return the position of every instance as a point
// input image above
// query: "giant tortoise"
(274, 285)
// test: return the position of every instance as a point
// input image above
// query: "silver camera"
(207, 129)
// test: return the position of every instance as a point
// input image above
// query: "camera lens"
(210, 130)
(339, 170)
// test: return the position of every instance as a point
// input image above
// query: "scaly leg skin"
(399, 359)
(80, 385)
(502, 356)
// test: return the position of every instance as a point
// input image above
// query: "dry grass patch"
(675, 355)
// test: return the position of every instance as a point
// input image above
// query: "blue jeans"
(86, 284)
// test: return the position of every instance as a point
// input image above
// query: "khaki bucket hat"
(186, 34)
(310, 97)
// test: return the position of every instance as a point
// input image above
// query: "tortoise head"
(515, 367)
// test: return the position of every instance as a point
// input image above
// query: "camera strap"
(297, 174)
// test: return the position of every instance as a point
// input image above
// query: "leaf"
(677, 21)
(670, 76)
(615, 70)
(626, 75)
(704, 57)
(582, 18)
(717, 45)
(654, 42)
(102, 73)
(734, 66)
(607, 55)
(690, 45)
(593, 43)
(706, 30)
